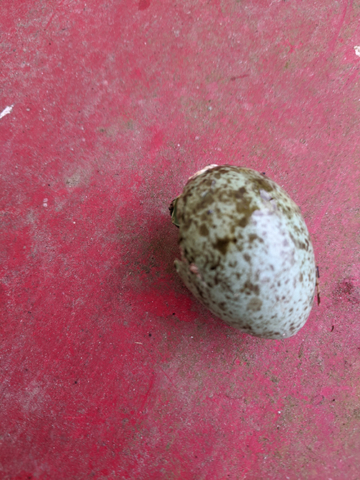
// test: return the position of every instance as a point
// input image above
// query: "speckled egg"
(245, 250)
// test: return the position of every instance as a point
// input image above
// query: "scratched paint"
(6, 111)
(109, 367)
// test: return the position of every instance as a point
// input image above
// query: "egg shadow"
(144, 278)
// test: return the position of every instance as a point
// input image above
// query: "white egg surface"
(246, 253)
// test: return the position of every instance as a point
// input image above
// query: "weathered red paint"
(109, 368)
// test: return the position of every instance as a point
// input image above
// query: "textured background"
(109, 368)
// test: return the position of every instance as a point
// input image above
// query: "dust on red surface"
(109, 368)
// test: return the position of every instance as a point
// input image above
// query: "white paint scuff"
(357, 50)
(7, 110)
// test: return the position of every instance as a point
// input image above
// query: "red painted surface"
(109, 368)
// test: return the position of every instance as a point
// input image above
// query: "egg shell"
(245, 250)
